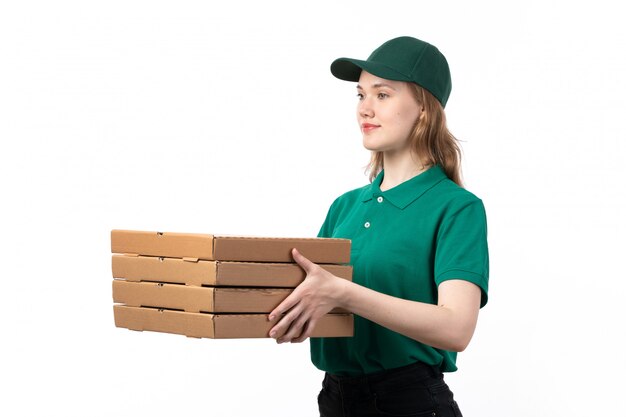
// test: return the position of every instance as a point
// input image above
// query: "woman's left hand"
(315, 296)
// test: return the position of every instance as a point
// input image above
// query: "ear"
(422, 113)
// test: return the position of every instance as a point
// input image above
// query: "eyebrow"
(377, 85)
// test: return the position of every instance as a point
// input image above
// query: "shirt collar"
(407, 192)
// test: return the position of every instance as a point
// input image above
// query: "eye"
(359, 96)
(383, 95)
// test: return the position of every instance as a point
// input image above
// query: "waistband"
(413, 372)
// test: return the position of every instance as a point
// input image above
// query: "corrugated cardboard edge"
(230, 326)
(198, 299)
(166, 244)
(266, 274)
(159, 295)
(258, 249)
(214, 273)
(165, 321)
(228, 248)
(161, 269)
(249, 300)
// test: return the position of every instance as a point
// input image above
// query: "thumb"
(302, 261)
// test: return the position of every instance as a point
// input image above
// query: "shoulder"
(454, 198)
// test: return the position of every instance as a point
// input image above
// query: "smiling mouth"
(368, 127)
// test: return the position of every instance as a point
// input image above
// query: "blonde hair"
(430, 139)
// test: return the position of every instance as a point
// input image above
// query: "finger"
(284, 324)
(295, 330)
(304, 263)
(280, 329)
(286, 305)
(306, 331)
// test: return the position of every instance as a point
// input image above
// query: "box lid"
(229, 248)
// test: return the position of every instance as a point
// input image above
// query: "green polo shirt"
(405, 242)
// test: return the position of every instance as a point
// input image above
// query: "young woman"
(419, 249)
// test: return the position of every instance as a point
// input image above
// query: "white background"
(224, 118)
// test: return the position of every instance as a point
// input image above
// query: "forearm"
(438, 326)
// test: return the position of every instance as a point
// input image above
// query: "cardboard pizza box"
(220, 326)
(228, 248)
(215, 273)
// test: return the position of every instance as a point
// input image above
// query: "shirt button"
(367, 225)
(379, 199)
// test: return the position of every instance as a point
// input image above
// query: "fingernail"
(272, 334)
(270, 318)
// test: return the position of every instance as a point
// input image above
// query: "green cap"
(402, 59)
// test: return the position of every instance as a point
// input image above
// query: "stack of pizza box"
(212, 286)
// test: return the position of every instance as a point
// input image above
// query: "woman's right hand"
(318, 294)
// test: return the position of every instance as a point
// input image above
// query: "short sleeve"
(329, 223)
(461, 248)
(325, 230)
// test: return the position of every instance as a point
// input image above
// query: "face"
(387, 112)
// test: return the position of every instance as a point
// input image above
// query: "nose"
(365, 108)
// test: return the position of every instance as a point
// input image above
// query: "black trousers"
(413, 390)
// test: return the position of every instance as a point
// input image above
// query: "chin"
(374, 147)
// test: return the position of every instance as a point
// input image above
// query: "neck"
(400, 167)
